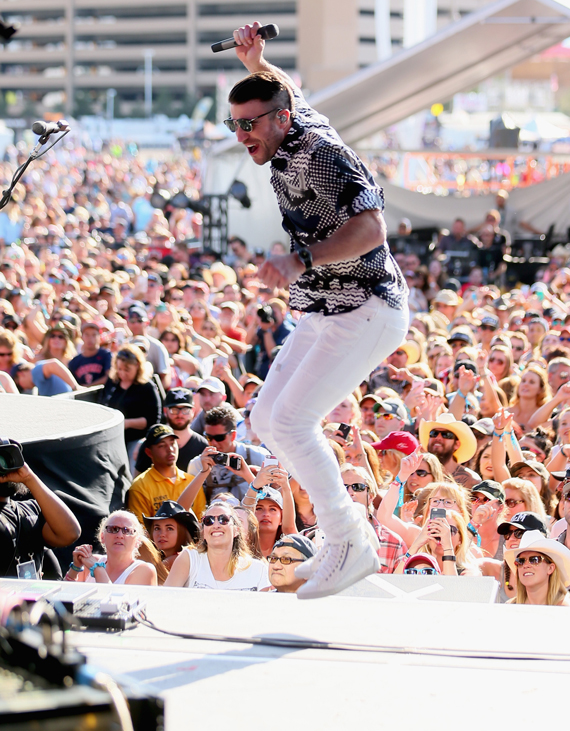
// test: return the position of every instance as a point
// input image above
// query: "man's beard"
(444, 456)
(12, 489)
(180, 426)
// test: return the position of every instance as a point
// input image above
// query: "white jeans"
(319, 365)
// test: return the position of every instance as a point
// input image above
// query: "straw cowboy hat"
(447, 422)
(412, 350)
(533, 540)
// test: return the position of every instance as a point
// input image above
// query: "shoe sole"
(372, 567)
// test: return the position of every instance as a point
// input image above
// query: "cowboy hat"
(448, 422)
(412, 350)
(533, 540)
(174, 511)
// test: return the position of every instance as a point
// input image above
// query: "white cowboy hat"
(467, 442)
(534, 540)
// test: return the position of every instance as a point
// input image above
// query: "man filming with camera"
(268, 330)
(223, 466)
(27, 526)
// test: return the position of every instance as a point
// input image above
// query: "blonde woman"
(222, 559)
(121, 535)
(532, 392)
(542, 566)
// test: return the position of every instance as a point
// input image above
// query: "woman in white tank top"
(222, 559)
(120, 535)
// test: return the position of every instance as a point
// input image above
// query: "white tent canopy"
(456, 58)
(541, 205)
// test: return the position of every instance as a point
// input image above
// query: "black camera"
(221, 458)
(11, 457)
(265, 314)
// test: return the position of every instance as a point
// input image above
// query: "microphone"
(45, 129)
(267, 32)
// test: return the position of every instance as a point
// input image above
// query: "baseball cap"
(230, 306)
(138, 311)
(541, 321)
(525, 520)
(157, 433)
(536, 466)
(399, 440)
(460, 337)
(300, 543)
(485, 426)
(422, 558)
(391, 406)
(179, 397)
(90, 323)
(270, 493)
(154, 278)
(141, 342)
(212, 384)
(490, 321)
(491, 489)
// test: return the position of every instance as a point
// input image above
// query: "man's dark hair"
(224, 415)
(266, 87)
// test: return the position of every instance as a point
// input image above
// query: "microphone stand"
(35, 154)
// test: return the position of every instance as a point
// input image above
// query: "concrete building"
(68, 53)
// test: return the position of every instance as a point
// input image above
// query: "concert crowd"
(456, 449)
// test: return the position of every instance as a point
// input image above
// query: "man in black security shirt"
(27, 526)
(178, 412)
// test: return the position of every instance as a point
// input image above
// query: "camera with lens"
(221, 458)
(11, 457)
(265, 314)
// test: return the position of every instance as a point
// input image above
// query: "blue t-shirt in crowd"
(50, 386)
(92, 368)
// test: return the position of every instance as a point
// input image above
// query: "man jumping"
(342, 275)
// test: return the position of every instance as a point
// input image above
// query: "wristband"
(459, 392)
(255, 489)
(97, 565)
(399, 482)
(407, 554)
(449, 558)
(75, 568)
(474, 532)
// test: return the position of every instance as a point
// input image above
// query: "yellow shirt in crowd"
(150, 489)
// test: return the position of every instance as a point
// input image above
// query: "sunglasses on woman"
(532, 560)
(358, 487)
(285, 560)
(114, 529)
(511, 502)
(422, 473)
(518, 533)
(423, 572)
(209, 520)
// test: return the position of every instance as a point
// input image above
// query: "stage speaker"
(478, 589)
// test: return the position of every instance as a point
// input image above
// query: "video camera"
(11, 456)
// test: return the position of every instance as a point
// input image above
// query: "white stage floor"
(431, 665)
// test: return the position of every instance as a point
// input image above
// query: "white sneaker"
(306, 569)
(345, 563)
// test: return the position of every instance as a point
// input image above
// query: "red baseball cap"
(403, 441)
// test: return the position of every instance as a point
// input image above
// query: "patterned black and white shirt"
(320, 184)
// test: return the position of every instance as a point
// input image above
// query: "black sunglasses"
(245, 124)
(424, 572)
(444, 434)
(516, 532)
(285, 560)
(422, 473)
(222, 519)
(217, 437)
(358, 487)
